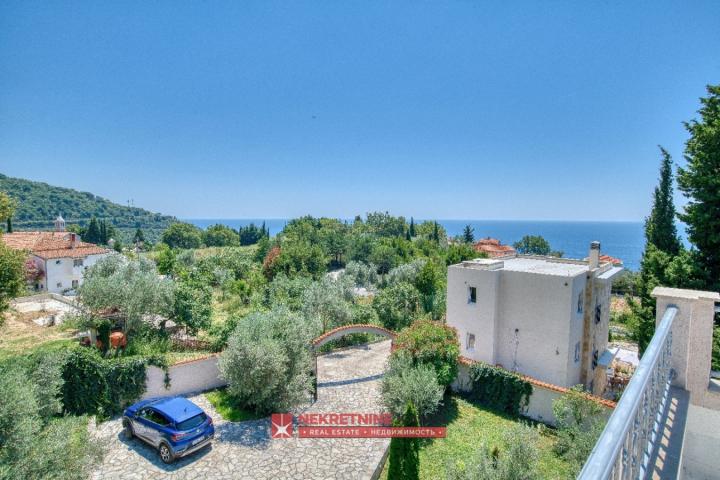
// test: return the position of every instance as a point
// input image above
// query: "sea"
(624, 240)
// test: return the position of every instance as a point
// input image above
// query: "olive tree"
(131, 287)
(267, 360)
(405, 382)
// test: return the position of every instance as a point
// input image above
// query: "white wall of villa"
(533, 315)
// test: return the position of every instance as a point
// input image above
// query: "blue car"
(173, 425)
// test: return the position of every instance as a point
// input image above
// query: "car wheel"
(165, 453)
(127, 429)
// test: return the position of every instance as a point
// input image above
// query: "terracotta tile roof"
(608, 259)
(493, 247)
(549, 386)
(49, 245)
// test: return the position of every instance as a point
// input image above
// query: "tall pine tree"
(404, 457)
(664, 262)
(699, 180)
(103, 232)
(468, 234)
(139, 236)
(92, 234)
(660, 229)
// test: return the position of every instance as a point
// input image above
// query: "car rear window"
(192, 422)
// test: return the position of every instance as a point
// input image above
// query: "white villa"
(544, 317)
(60, 258)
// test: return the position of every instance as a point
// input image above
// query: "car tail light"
(178, 436)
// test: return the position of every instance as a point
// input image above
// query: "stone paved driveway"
(349, 382)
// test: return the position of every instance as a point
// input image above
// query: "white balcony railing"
(625, 445)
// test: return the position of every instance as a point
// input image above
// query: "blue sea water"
(623, 240)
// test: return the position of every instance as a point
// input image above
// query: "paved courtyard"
(348, 382)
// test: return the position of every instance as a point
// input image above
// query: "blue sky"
(502, 110)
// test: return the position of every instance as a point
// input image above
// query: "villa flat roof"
(545, 266)
(558, 267)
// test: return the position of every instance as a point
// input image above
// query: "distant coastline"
(624, 240)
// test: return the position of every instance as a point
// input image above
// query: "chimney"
(594, 258)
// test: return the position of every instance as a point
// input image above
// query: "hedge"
(498, 388)
(97, 386)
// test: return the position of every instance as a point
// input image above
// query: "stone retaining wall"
(539, 406)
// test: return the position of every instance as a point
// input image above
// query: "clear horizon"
(448, 111)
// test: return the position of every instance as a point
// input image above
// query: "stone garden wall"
(186, 377)
(539, 407)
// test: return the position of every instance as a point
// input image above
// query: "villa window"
(595, 359)
(577, 352)
(470, 343)
(472, 295)
(580, 302)
(58, 262)
(78, 262)
(59, 285)
(598, 313)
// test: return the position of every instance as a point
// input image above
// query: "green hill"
(39, 204)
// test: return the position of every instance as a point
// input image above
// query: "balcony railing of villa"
(625, 446)
(654, 431)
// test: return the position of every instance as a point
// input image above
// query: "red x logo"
(281, 425)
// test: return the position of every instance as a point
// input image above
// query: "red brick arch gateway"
(340, 332)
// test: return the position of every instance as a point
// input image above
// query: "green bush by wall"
(97, 386)
(498, 388)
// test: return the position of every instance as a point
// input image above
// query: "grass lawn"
(226, 407)
(469, 425)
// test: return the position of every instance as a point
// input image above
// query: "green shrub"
(432, 343)
(580, 422)
(397, 306)
(498, 388)
(404, 457)
(515, 459)
(97, 386)
(63, 450)
(34, 443)
(267, 360)
(405, 383)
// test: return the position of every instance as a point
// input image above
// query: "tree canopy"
(699, 180)
(182, 235)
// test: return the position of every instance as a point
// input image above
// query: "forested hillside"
(39, 203)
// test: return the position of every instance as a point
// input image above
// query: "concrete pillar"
(692, 333)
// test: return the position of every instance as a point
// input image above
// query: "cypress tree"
(9, 225)
(699, 181)
(404, 457)
(103, 232)
(139, 236)
(92, 234)
(407, 234)
(662, 248)
(660, 229)
(412, 227)
(436, 232)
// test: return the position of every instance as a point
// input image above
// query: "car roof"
(177, 409)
